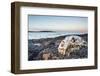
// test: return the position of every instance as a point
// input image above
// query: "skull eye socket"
(73, 39)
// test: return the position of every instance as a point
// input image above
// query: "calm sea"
(39, 35)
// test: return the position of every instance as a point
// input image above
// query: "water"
(39, 35)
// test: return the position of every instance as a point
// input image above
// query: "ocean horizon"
(49, 34)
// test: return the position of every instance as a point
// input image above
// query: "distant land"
(41, 31)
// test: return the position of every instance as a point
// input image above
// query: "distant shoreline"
(41, 31)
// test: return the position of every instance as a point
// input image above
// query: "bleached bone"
(71, 43)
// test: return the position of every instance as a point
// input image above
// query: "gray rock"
(35, 51)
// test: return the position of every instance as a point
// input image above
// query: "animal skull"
(71, 43)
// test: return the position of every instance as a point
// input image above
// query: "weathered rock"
(37, 46)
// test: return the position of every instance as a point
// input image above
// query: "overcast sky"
(57, 23)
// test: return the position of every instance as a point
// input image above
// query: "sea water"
(39, 35)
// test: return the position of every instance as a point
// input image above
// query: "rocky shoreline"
(37, 46)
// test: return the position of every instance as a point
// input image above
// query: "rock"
(36, 49)
(45, 54)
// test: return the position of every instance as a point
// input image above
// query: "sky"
(57, 23)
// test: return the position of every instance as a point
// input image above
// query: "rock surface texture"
(62, 47)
